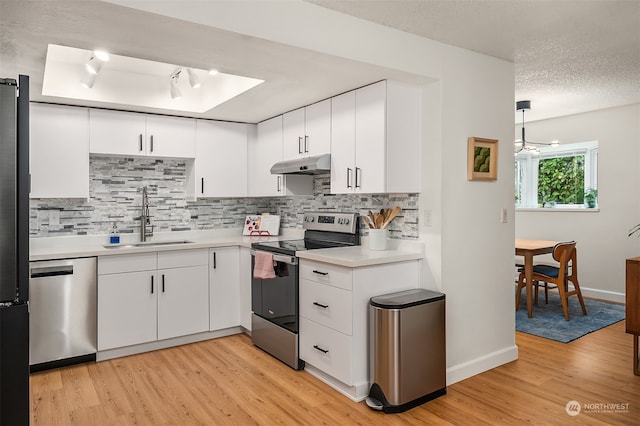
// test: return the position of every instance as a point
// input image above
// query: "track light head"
(173, 86)
(194, 80)
(101, 55)
(94, 65)
(88, 80)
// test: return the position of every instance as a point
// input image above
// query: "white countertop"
(85, 246)
(358, 256)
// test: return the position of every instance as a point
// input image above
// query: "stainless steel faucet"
(146, 228)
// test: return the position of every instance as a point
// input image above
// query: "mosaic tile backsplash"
(115, 190)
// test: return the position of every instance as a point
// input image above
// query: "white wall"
(469, 253)
(601, 235)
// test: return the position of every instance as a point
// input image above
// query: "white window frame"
(527, 165)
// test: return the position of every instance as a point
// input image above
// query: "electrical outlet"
(504, 216)
(54, 217)
(427, 218)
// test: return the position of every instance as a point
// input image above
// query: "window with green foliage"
(563, 176)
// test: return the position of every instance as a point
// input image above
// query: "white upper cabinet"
(59, 151)
(134, 134)
(375, 132)
(221, 159)
(264, 152)
(307, 131)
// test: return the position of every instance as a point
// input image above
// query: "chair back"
(564, 252)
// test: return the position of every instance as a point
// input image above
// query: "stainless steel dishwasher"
(62, 312)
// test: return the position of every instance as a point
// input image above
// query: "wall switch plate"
(504, 215)
(427, 218)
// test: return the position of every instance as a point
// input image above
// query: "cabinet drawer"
(183, 258)
(326, 349)
(326, 305)
(337, 276)
(127, 263)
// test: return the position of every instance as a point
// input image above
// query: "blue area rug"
(548, 320)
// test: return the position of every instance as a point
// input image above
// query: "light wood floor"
(228, 381)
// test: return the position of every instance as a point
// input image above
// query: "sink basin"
(146, 244)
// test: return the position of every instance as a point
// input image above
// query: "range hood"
(315, 165)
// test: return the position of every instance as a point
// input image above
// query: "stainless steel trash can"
(408, 357)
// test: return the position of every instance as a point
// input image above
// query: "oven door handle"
(289, 260)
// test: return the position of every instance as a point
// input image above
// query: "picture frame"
(482, 159)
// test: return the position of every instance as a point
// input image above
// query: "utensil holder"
(378, 239)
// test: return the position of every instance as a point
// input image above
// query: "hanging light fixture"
(174, 90)
(523, 143)
(194, 80)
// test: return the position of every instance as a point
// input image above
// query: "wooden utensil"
(368, 222)
(373, 218)
(392, 215)
(379, 221)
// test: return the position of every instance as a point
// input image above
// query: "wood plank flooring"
(228, 381)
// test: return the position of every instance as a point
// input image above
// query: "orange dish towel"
(263, 267)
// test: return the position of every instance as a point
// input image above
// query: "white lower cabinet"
(151, 296)
(245, 288)
(334, 306)
(224, 287)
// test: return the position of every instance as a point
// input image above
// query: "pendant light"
(523, 143)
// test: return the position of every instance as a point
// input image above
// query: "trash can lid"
(406, 299)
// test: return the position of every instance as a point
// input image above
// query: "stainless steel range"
(274, 301)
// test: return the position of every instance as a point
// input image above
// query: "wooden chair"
(567, 270)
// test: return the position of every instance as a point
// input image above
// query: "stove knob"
(309, 219)
(345, 221)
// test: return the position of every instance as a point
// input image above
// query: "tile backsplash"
(115, 190)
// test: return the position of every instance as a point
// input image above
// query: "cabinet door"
(245, 288)
(317, 140)
(224, 287)
(370, 176)
(221, 159)
(183, 304)
(171, 137)
(343, 139)
(116, 133)
(264, 152)
(59, 151)
(293, 134)
(127, 309)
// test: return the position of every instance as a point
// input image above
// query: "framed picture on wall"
(482, 159)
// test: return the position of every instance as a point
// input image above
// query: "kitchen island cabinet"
(375, 139)
(134, 134)
(59, 151)
(334, 303)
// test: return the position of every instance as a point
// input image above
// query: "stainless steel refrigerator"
(14, 251)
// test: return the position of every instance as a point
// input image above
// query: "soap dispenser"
(114, 236)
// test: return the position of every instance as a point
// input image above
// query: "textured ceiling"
(570, 56)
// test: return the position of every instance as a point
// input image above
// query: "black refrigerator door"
(14, 364)
(24, 187)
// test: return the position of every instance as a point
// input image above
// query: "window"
(556, 177)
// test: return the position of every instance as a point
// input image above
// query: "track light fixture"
(93, 67)
(174, 90)
(194, 81)
(523, 143)
(88, 80)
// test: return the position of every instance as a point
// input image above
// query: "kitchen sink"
(146, 244)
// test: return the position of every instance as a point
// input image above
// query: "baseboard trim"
(611, 296)
(479, 365)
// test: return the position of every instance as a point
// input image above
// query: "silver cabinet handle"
(358, 173)
(140, 142)
(279, 184)
(299, 145)
(306, 143)
(151, 143)
(349, 177)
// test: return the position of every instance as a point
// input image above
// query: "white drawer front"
(127, 263)
(183, 258)
(337, 276)
(326, 305)
(326, 349)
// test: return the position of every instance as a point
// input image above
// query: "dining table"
(527, 249)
